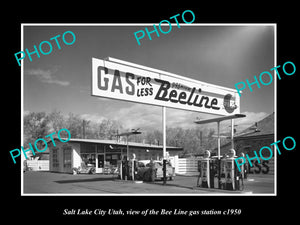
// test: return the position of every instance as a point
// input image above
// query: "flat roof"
(122, 143)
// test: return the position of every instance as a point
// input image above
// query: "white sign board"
(131, 82)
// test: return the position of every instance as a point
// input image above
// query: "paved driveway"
(58, 183)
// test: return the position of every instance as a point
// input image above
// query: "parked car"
(85, 168)
(152, 170)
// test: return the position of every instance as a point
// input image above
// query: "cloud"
(181, 118)
(46, 76)
(26, 112)
(249, 120)
(138, 116)
(92, 117)
(150, 118)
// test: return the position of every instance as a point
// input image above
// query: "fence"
(35, 165)
(187, 166)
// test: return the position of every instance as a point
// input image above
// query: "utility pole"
(83, 129)
(201, 140)
(84, 124)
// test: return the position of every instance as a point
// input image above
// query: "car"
(152, 170)
(85, 168)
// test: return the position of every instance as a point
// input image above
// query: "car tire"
(92, 171)
(146, 176)
(152, 175)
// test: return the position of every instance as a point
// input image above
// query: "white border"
(275, 110)
(150, 24)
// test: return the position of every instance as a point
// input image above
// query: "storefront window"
(88, 159)
(153, 156)
(113, 149)
(55, 162)
(100, 148)
(87, 148)
(67, 156)
(112, 159)
(92, 160)
(84, 158)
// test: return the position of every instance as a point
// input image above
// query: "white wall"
(40, 165)
(76, 155)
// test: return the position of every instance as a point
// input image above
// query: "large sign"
(131, 82)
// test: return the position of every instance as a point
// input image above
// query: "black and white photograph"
(152, 115)
(162, 117)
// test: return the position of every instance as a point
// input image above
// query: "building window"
(88, 159)
(112, 159)
(87, 148)
(55, 162)
(100, 148)
(67, 157)
(153, 156)
(113, 149)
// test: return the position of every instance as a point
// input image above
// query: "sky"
(220, 55)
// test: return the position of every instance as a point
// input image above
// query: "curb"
(130, 181)
(222, 191)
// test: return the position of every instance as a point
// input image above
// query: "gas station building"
(100, 153)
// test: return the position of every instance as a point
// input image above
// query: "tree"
(74, 125)
(211, 142)
(150, 137)
(35, 126)
(56, 121)
(175, 136)
(108, 129)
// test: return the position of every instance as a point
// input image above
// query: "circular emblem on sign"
(227, 105)
(231, 153)
(206, 154)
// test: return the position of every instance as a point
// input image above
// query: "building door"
(100, 163)
(67, 159)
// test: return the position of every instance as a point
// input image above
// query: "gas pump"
(230, 176)
(214, 172)
(128, 168)
(204, 179)
(120, 167)
(243, 167)
(133, 167)
(125, 171)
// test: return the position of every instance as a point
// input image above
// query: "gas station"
(118, 79)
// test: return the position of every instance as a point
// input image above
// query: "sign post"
(232, 133)
(164, 143)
